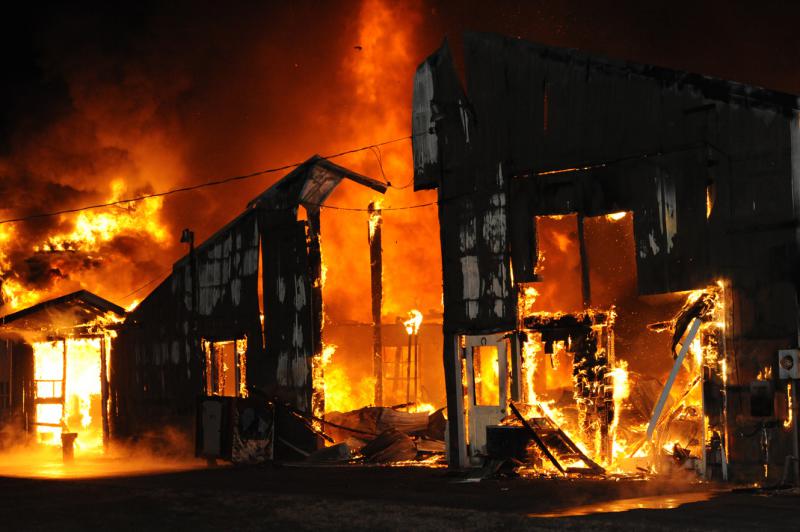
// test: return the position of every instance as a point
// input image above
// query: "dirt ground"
(370, 498)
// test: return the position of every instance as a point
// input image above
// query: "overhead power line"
(145, 285)
(223, 181)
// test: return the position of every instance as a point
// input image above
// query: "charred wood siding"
(157, 362)
(574, 133)
(472, 202)
(288, 315)
(658, 138)
(157, 365)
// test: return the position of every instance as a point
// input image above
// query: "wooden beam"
(536, 439)
(315, 280)
(456, 441)
(687, 341)
(104, 390)
(376, 278)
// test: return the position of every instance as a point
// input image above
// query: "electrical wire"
(145, 285)
(217, 182)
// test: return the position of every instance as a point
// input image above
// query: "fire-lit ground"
(47, 462)
(347, 498)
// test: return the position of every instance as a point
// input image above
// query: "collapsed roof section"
(76, 311)
(310, 184)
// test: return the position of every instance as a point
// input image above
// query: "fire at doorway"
(600, 379)
(71, 391)
(58, 355)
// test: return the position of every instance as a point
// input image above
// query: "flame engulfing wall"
(159, 108)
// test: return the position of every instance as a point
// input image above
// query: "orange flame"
(413, 323)
(79, 409)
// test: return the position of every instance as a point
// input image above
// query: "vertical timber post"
(104, 390)
(456, 438)
(416, 366)
(315, 276)
(408, 373)
(63, 388)
(376, 276)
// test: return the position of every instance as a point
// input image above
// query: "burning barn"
(619, 249)
(240, 323)
(54, 376)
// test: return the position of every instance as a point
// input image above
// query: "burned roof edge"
(101, 304)
(711, 87)
(301, 172)
(281, 186)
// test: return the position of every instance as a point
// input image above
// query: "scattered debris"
(390, 446)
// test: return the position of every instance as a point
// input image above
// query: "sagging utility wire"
(225, 180)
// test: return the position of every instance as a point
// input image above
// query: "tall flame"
(413, 323)
(90, 232)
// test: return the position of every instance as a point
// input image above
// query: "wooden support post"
(376, 276)
(63, 385)
(456, 439)
(416, 367)
(516, 367)
(315, 278)
(398, 364)
(104, 390)
(408, 371)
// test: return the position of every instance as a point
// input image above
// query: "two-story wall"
(709, 169)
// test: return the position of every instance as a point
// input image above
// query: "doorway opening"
(70, 391)
(226, 367)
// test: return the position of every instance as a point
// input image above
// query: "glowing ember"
(422, 407)
(616, 216)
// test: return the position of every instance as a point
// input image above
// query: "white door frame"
(479, 416)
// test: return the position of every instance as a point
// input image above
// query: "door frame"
(504, 351)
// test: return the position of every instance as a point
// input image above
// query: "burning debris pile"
(601, 419)
(384, 435)
(356, 431)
